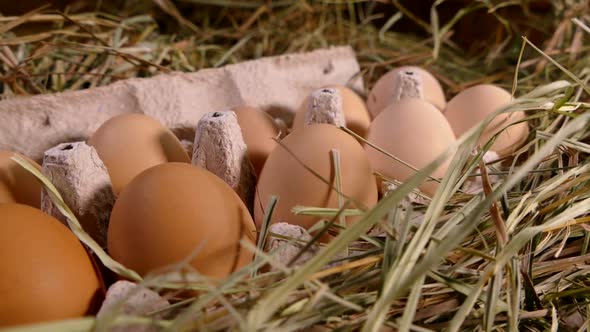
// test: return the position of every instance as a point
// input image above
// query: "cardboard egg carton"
(278, 84)
(53, 128)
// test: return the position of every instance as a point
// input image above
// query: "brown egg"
(46, 272)
(383, 92)
(283, 175)
(258, 130)
(356, 116)
(17, 185)
(473, 105)
(414, 131)
(131, 143)
(173, 210)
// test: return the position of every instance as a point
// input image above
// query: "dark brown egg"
(174, 210)
(17, 185)
(46, 272)
(131, 143)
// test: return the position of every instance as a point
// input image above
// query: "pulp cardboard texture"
(220, 148)
(284, 250)
(129, 298)
(32, 125)
(82, 179)
(325, 106)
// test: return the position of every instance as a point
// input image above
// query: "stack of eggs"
(168, 209)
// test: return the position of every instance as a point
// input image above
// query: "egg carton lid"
(277, 84)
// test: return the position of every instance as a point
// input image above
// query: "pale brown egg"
(131, 143)
(17, 185)
(414, 131)
(174, 210)
(285, 175)
(356, 115)
(473, 105)
(46, 272)
(383, 92)
(259, 131)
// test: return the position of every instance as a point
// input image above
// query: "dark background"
(472, 33)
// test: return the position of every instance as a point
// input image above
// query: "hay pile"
(512, 258)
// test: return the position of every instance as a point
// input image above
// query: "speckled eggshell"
(258, 130)
(382, 93)
(17, 185)
(356, 115)
(287, 178)
(173, 210)
(474, 104)
(414, 131)
(46, 272)
(131, 143)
